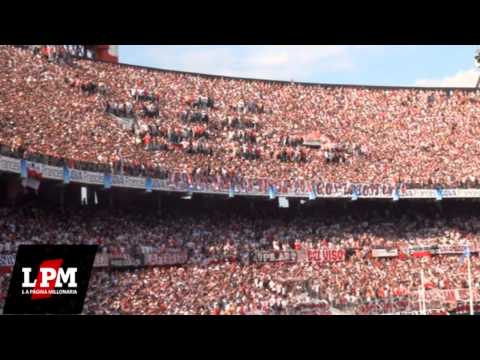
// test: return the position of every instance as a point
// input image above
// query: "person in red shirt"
(216, 311)
(297, 245)
(146, 141)
(45, 51)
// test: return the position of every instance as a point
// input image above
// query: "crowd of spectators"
(60, 109)
(256, 129)
(222, 274)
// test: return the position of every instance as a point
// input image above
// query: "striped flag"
(34, 178)
(354, 193)
(439, 194)
(66, 175)
(23, 169)
(107, 181)
(312, 194)
(465, 255)
(149, 184)
(272, 192)
(395, 194)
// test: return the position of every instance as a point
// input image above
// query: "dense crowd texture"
(222, 276)
(210, 127)
(58, 108)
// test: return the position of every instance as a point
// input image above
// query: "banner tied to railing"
(183, 182)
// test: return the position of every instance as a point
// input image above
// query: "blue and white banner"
(354, 193)
(149, 184)
(133, 182)
(107, 181)
(23, 169)
(90, 177)
(439, 194)
(256, 187)
(466, 254)
(272, 192)
(395, 194)
(312, 194)
(66, 175)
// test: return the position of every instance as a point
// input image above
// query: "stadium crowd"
(223, 276)
(211, 127)
(59, 108)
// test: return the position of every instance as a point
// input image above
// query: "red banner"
(326, 255)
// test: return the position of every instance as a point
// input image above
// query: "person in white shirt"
(275, 245)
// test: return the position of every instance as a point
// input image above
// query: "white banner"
(101, 260)
(172, 258)
(383, 253)
(9, 164)
(454, 249)
(276, 256)
(251, 187)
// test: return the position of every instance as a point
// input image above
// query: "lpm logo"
(50, 279)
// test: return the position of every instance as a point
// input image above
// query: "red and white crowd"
(59, 108)
(210, 127)
(223, 276)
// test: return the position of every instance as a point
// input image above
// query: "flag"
(148, 184)
(272, 192)
(283, 202)
(107, 181)
(66, 175)
(354, 193)
(466, 254)
(34, 177)
(439, 194)
(312, 195)
(421, 253)
(23, 169)
(396, 194)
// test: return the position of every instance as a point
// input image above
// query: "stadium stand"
(59, 107)
(217, 127)
(227, 261)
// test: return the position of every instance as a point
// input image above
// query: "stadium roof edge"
(379, 87)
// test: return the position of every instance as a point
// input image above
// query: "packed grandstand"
(201, 135)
